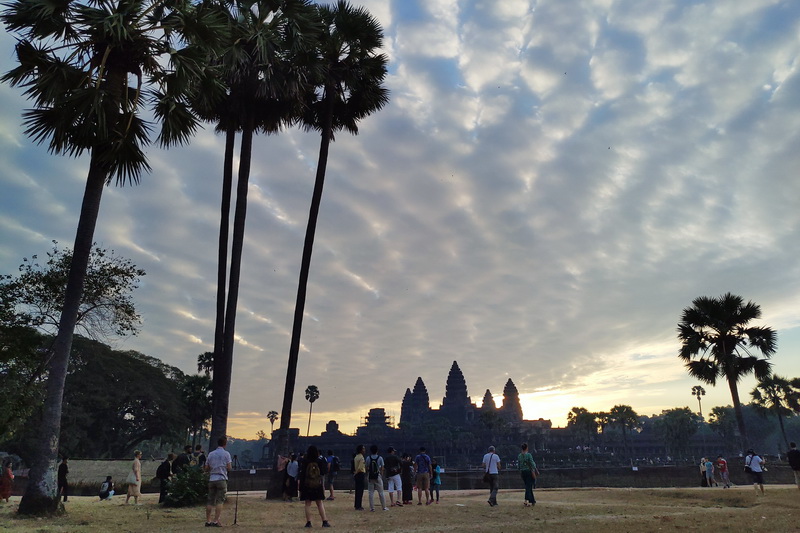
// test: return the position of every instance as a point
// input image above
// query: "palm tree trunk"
(737, 409)
(40, 495)
(308, 429)
(783, 430)
(305, 266)
(223, 367)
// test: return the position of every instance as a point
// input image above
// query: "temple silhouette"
(457, 433)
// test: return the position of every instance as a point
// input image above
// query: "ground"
(565, 510)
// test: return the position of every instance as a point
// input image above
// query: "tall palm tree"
(776, 394)
(265, 77)
(312, 394)
(272, 416)
(350, 89)
(698, 392)
(626, 418)
(76, 62)
(718, 342)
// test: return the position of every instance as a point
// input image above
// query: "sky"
(549, 186)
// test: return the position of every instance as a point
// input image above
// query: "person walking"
(359, 475)
(794, 462)
(709, 470)
(163, 473)
(491, 468)
(407, 479)
(756, 465)
(724, 475)
(528, 472)
(61, 478)
(422, 464)
(6, 481)
(375, 472)
(218, 464)
(134, 479)
(333, 470)
(394, 468)
(311, 476)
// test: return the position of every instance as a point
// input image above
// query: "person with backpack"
(394, 467)
(163, 473)
(182, 461)
(106, 489)
(359, 474)
(198, 456)
(374, 465)
(422, 463)
(310, 476)
(333, 470)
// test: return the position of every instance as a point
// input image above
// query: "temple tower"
(488, 402)
(511, 406)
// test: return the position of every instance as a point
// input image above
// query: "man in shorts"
(722, 467)
(422, 463)
(333, 471)
(393, 468)
(794, 462)
(218, 464)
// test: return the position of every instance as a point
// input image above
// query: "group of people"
(708, 470)
(174, 464)
(527, 471)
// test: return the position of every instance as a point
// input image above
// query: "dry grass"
(563, 510)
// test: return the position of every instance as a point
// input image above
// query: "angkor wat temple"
(457, 433)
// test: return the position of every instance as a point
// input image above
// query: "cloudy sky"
(550, 185)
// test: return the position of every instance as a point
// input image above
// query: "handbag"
(747, 465)
(131, 479)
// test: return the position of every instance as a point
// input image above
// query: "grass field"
(564, 510)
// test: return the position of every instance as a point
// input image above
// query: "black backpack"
(373, 470)
(335, 466)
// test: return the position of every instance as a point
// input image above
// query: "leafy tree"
(626, 418)
(263, 89)
(205, 363)
(312, 395)
(718, 342)
(722, 420)
(76, 63)
(583, 422)
(777, 395)
(675, 427)
(22, 365)
(272, 416)
(349, 89)
(196, 392)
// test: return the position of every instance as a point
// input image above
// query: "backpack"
(313, 478)
(373, 470)
(335, 466)
(104, 488)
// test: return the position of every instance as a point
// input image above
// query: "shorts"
(330, 478)
(395, 483)
(758, 477)
(423, 481)
(216, 492)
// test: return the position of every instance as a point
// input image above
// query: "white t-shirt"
(491, 459)
(218, 462)
(755, 463)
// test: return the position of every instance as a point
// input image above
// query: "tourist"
(527, 471)
(183, 460)
(218, 464)
(6, 481)
(333, 470)
(709, 469)
(311, 475)
(394, 467)
(422, 464)
(703, 478)
(134, 479)
(61, 479)
(359, 473)
(491, 469)
(163, 473)
(374, 466)
(794, 462)
(106, 489)
(407, 478)
(436, 480)
(198, 456)
(724, 475)
(756, 465)
(290, 479)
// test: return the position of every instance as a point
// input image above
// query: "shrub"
(188, 488)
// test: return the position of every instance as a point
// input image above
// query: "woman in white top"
(134, 479)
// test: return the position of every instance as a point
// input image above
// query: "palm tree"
(205, 363)
(312, 394)
(716, 331)
(698, 392)
(272, 416)
(265, 82)
(775, 393)
(349, 90)
(76, 60)
(627, 419)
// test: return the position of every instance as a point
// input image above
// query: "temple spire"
(488, 401)
(456, 389)
(511, 406)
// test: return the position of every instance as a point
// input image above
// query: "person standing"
(359, 473)
(333, 470)
(6, 481)
(311, 476)
(794, 462)
(527, 471)
(163, 473)
(134, 479)
(491, 466)
(218, 464)
(375, 473)
(61, 479)
(422, 463)
(198, 456)
(407, 479)
(709, 466)
(436, 479)
(722, 467)
(182, 461)
(756, 465)
(290, 479)
(394, 468)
